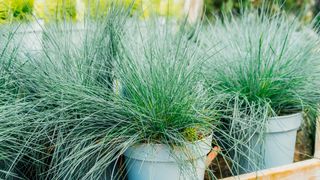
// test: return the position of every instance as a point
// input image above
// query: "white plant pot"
(76, 33)
(66, 35)
(159, 161)
(29, 37)
(281, 139)
(25, 36)
(278, 145)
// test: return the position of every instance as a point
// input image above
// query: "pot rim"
(164, 153)
(283, 124)
(285, 116)
(210, 135)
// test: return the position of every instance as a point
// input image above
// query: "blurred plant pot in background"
(25, 36)
(29, 37)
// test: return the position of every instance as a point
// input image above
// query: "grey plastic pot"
(159, 162)
(278, 144)
(68, 34)
(29, 36)
(281, 139)
(25, 36)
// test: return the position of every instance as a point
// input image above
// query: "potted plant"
(169, 120)
(267, 67)
(91, 125)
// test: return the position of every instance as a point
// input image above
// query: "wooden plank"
(317, 142)
(194, 9)
(212, 155)
(309, 169)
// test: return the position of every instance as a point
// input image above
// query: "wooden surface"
(317, 143)
(304, 170)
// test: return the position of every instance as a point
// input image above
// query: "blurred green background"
(306, 10)
(52, 10)
(17, 10)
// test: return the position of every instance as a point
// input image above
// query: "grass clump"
(80, 89)
(68, 111)
(162, 85)
(14, 104)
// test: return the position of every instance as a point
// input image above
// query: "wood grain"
(317, 142)
(304, 170)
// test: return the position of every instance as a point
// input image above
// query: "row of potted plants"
(149, 100)
(31, 15)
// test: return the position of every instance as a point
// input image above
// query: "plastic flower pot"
(159, 161)
(277, 147)
(69, 34)
(29, 37)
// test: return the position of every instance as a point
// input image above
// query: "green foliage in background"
(13, 10)
(58, 10)
(100, 8)
(304, 8)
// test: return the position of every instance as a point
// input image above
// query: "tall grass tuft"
(67, 107)
(13, 102)
(161, 84)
